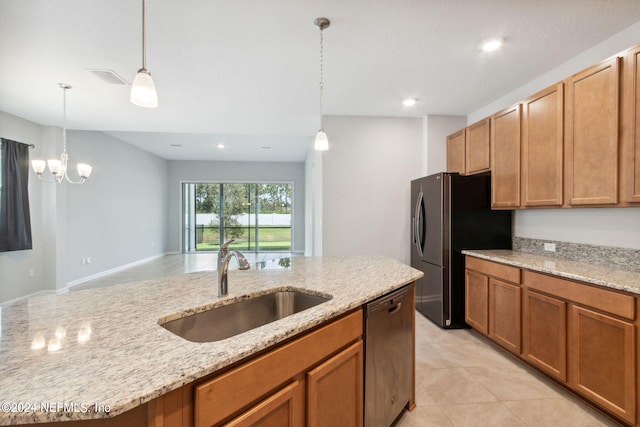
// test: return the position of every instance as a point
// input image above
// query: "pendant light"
(58, 167)
(321, 142)
(143, 90)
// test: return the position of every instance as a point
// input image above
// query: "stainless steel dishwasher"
(389, 356)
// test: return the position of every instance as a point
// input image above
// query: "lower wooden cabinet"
(477, 301)
(544, 333)
(276, 387)
(504, 314)
(284, 408)
(582, 335)
(335, 390)
(603, 361)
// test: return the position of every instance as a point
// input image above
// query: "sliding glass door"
(258, 216)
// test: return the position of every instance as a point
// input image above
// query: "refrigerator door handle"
(418, 219)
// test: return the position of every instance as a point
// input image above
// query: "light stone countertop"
(128, 359)
(610, 277)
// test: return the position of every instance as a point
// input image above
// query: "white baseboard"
(85, 279)
(34, 294)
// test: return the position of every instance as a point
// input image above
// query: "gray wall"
(365, 185)
(207, 171)
(117, 218)
(14, 266)
(120, 215)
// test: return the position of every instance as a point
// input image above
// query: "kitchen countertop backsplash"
(608, 256)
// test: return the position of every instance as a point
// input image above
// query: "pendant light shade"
(322, 141)
(143, 90)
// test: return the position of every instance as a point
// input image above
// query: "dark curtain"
(15, 219)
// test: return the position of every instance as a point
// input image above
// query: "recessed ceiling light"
(266, 148)
(409, 102)
(176, 145)
(492, 44)
(220, 146)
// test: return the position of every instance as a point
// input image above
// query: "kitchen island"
(99, 353)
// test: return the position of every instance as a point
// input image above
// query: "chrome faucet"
(224, 256)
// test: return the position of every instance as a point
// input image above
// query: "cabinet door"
(630, 154)
(455, 152)
(335, 390)
(544, 333)
(591, 168)
(284, 408)
(542, 148)
(477, 301)
(505, 158)
(477, 150)
(504, 314)
(602, 360)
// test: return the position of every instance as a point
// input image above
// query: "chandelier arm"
(39, 175)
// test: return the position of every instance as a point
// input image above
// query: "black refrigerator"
(451, 213)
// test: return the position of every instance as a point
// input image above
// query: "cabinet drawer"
(608, 301)
(222, 396)
(501, 271)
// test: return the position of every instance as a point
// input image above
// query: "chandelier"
(58, 167)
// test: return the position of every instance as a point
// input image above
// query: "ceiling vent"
(108, 76)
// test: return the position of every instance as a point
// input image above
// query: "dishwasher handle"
(395, 308)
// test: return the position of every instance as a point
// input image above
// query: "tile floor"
(461, 380)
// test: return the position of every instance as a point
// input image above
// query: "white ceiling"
(245, 72)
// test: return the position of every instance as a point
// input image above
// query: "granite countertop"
(610, 277)
(114, 354)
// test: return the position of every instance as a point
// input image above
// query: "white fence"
(246, 219)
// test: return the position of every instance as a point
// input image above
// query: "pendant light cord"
(321, 74)
(64, 118)
(144, 40)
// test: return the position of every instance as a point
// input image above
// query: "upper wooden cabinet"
(591, 144)
(505, 158)
(630, 138)
(456, 152)
(468, 149)
(542, 147)
(477, 150)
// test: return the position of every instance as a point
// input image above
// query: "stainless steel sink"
(226, 321)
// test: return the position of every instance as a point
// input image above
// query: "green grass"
(271, 239)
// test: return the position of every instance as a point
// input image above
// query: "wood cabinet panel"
(478, 147)
(544, 333)
(226, 394)
(284, 408)
(542, 147)
(592, 120)
(630, 138)
(505, 158)
(603, 361)
(335, 390)
(456, 152)
(477, 301)
(617, 303)
(504, 314)
(490, 268)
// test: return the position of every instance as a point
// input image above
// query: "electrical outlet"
(550, 247)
